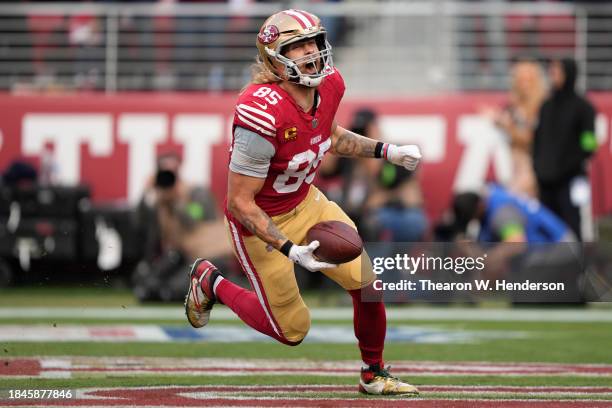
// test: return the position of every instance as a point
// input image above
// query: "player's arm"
(249, 165)
(347, 143)
(241, 191)
(521, 135)
(241, 203)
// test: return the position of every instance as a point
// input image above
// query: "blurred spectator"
(349, 182)
(496, 215)
(518, 120)
(19, 173)
(502, 216)
(530, 241)
(180, 223)
(385, 201)
(48, 169)
(564, 141)
(394, 206)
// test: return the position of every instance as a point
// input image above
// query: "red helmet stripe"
(308, 16)
(300, 18)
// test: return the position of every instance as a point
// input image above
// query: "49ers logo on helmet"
(268, 35)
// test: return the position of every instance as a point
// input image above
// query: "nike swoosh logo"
(194, 284)
(264, 107)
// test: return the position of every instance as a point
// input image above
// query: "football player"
(283, 126)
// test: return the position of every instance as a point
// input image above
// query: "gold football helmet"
(287, 27)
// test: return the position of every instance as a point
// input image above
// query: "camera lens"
(165, 179)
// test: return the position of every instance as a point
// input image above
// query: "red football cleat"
(200, 297)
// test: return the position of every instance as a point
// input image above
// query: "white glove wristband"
(407, 156)
(303, 255)
(286, 248)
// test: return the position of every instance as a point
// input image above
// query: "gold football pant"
(271, 274)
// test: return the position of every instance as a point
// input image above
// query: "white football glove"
(303, 255)
(407, 156)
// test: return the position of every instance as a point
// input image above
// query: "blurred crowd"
(549, 129)
(550, 132)
(384, 200)
(178, 224)
(160, 51)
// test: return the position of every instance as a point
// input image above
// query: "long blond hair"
(260, 74)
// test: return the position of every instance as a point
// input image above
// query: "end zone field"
(107, 351)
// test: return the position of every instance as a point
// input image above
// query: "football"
(340, 242)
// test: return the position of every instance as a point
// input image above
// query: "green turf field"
(528, 348)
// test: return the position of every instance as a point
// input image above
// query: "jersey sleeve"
(257, 115)
(251, 154)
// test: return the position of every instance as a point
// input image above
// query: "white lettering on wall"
(601, 130)
(426, 131)
(483, 143)
(142, 133)
(67, 132)
(197, 134)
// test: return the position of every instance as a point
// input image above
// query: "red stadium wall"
(110, 142)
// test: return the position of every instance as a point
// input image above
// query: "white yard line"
(319, 333)
(393, 314)
(222, 366)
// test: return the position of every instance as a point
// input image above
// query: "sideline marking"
(196, 395)
(66, 367)
(393, 314)
(235, 334)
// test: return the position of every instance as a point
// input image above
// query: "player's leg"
(273, 306)
(279, 305)
(247, 306)
(369, 316)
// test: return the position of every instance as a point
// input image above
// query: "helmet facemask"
(291, 70)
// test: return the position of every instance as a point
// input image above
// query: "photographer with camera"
(178, 224)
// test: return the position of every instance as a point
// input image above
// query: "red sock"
(246, 305)
(370, 323)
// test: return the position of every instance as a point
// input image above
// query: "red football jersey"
(299, 138)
